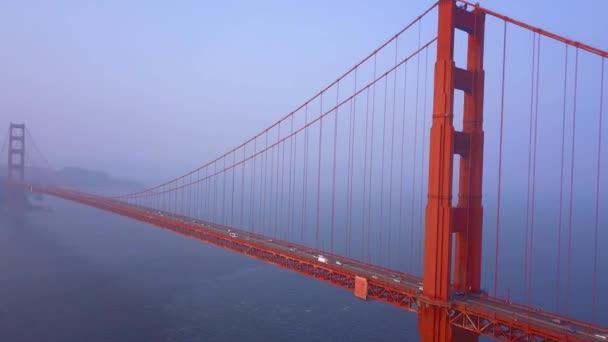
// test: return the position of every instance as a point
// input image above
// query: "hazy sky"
(162, 86)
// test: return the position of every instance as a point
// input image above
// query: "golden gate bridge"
(334, 190)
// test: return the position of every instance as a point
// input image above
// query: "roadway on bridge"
(397, 280)
(513, 319)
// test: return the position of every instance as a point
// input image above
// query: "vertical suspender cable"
(401, 174)
(561, 189)
(536, 97)
(317, 226)
(382, 172)
(351, 170)
(573, 146)
(364, 237)
(348, 179)
(264, 186)
(276, 185)
(597, 195)
(371, 166)
(391, 158)
(281, 202)
(422, 159)
(292, 175)
(305, 181)
(333, 181)
(500, 137)
(414, 157)
(242, 195)
(232, 223)
(527, 238)
(224, 172)
(253, 197)
(274, 190)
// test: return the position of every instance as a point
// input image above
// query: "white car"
(603, 337)
(233, 235)
(339, 263)
(322, 259)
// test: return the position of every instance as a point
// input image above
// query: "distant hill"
(82, 178)
(79, 178)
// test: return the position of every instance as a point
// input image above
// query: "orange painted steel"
(478, 314)
(469, 145)
(448, 309)
(437, 241)
(433, 325)
(361, 287)
(465, 220)
(538, 30)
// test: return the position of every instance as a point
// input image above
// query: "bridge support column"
(16, 153)
(443, 220)
(468, 227)
(16, 166)
(434, 326)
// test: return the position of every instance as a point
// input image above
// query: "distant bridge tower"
(16, 153)
(444, 221)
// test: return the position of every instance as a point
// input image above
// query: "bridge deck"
(479, 313)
